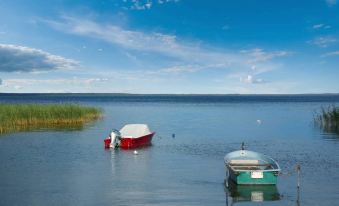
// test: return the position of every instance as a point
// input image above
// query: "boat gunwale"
(131, 137)
(270, 170)
(278, 169)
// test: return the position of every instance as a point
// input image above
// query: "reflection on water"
(126, 163)
(250, 193)
(330, 136)
(47, 127)
(130, 175)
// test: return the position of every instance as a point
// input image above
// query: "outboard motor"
(115, 137)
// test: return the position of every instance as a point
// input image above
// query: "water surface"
(72, 168)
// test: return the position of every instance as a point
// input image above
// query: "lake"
(71, 167)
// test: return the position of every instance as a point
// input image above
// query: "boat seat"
(248, 165)
(244, 162)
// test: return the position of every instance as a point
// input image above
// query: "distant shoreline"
(136, 94)
(163, 98)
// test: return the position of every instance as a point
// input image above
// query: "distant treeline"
(22, 117)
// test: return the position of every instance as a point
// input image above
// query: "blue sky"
(170, 46)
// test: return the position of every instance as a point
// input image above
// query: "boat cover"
(135, 130)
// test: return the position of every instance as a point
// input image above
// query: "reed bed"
(21, 117)
(328, 119)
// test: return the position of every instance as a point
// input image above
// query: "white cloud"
(189, 68)
(250, 79)
(318, 26)
(323, 41)
(150, 42)
(259, 55)
(167, 1)
(116, 35)
(15, 58)
(144, 4)
(141, 5)
(331, 2)
(335, 53)
(321, 26)
(181, 69)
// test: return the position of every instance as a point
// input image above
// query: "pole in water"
(173, 135)
(298, 196)
(298, 177)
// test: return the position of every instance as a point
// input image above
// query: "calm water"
(72, 167)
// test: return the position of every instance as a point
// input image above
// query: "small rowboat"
(246, 167)
(130, 136)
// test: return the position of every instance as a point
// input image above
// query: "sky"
(169, 46)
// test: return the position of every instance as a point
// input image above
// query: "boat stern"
(254, 177)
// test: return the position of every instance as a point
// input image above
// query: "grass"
(22, 117)
(328, 119)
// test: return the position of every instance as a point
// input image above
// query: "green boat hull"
(254, 193)
(245, 178)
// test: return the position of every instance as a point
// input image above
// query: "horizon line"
(173, 94)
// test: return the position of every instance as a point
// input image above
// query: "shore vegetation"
(22, 117)
(328, 119)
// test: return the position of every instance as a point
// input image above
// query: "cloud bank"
(188, 56)
(15, 58)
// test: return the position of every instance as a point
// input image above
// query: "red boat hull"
(130, 143)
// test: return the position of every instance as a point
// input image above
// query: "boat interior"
(249, 164)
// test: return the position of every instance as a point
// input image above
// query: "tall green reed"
(19, 117)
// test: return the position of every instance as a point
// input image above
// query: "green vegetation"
(328, 119)
(22, 117)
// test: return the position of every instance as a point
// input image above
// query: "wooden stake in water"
(298, 177)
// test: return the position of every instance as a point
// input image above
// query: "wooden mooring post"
(298, 176)
(298, 184)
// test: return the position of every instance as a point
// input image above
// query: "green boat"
(246, 167)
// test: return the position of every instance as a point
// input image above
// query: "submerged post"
(298, 196)
(298, 168)
(298, 175)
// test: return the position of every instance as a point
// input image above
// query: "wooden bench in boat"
(248, 165)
